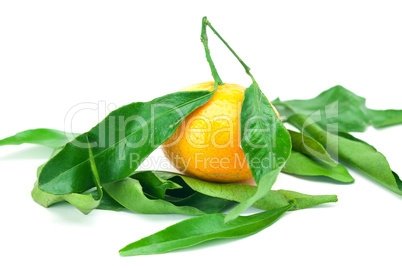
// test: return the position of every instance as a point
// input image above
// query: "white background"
(57, 54)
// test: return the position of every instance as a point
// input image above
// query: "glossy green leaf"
(129, 194)
(120, 143)
(341, 109)
(200, 229)
(83, 202)
(303, 165)
(354, 152)
(241, 192)
(265, 142)
(42, 136)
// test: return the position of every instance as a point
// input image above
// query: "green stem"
(205, 22)
(204, 40)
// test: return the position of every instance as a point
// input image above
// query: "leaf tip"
(333, 198)
(122, 252)
(233, 214)
(125, 252)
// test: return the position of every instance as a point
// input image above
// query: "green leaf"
(241, 192)
(153, 185)
(352, 151)
(95, 173)
(310, 147)
(200, 229)
(205, 203)
(183, 192)
(302, 201)
(129, 194)
(83, 202)
(369, 161)
(263, 150)
(176, 191)
(309, 158)
(303, 165)
(384, 118)
(342, 107)
(120, 143)
(265, 142)
(107, 202)
(42, 136)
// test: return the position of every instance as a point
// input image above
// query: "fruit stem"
(205, 22)
(204, 40)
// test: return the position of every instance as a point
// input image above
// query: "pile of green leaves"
(327, 120)
(93, 171)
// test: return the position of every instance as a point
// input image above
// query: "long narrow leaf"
(42, 136)
(200, 229)
(241, 192)
(265, 142)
